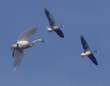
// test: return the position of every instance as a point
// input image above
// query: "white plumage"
(22, 44)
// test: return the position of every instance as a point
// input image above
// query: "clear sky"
(56, 62)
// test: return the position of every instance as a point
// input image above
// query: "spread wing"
(50, 18)
(59, 32)
(18, 57)
(84, 44)
(93, 59)
(25, 35)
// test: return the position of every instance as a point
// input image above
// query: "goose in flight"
(22, 44)
(87, 51)
(53, 25)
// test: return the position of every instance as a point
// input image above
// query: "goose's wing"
(59, 32)
(50, 18)
(93, 59)
(25, 35)
(18, 57)
(84, 44)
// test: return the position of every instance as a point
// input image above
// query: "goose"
(53, 25)
(87, 51)
(22, 44)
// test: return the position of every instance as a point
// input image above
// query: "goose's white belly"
(55, 28)
(87, 53)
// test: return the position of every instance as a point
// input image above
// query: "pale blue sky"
(56, 62)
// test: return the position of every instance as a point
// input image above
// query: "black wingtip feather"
(82, 37)
(60, 33)
(93, 59)
(45, 9)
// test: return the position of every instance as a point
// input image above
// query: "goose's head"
(62, 26)
(82, 55)
(96, 51)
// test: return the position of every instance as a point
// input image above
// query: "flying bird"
(53, 25)
(22, 44)
(87, 51)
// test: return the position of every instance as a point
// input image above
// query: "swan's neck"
(31, 44)
(35, 41)
(40, 40)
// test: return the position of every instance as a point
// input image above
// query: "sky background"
(56, 62)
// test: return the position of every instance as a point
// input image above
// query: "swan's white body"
(22, 44)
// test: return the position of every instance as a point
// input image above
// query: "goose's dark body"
(53, 25)
(87, 49)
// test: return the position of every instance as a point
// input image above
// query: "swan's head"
(49, 29)
(82, 55)
(40, 40)
(13, 46)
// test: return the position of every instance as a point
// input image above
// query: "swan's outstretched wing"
(25, 35)
(93, 59)
(18, 57)
(84, 43)
(59, 32)
(50, 18)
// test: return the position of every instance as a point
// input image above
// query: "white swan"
(22, 44)
(53, 25)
